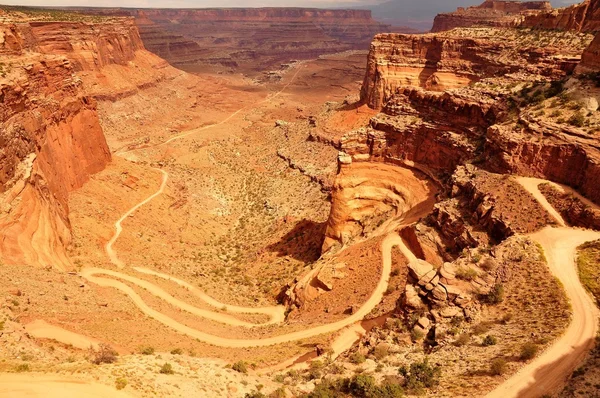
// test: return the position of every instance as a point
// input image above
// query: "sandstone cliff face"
(490, 13)
(51, 138)
(456, 59)
(250, 37)
(583, 17)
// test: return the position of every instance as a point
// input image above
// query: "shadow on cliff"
(303, 242)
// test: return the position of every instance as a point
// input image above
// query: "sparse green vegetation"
(120, 383)
(466, 273)
(577, 120)
(498, 367)
(240, 366)
(357, 358)
(588, 258)
(105, 354)
(24, 367)
(495, 296)
(167, 369)
(420, 375)
(489, 340)
(528, 351)
(147, 350)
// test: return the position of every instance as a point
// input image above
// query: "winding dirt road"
(548, 372)
(388, 243)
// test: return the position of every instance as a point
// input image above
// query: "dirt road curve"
(386, 247)
(547, 373)
(53, 386)
(118, 228)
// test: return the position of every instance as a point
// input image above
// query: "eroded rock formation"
(456, 59)
(254, 38)
(51, 138)
(498, 13)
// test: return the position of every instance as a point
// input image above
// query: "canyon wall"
(583, 17)
(51, 136)
(455, 59)
(252, 38)
(490, 13)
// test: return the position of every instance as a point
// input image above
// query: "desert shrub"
(498, 367)
(462, 340)
(147, 350)
(482, 328)
(381, 351)
(278, 393)
(556, 113)
(528, 351)
(120, 383)
(420, 375)
(577, 120)
(177, 351)
(495, 296)
(167, 369)
(24, 367)
(240, 366)
(105, 354)
(489, 340)
(466, 273)
(488, 264)
(506, 318)
(315, 370)
(255, 394)
(357, 358)
(362, 385)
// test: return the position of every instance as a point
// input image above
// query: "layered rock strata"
(254, 38)
(457, 59)
(490, 13)
(51, 136)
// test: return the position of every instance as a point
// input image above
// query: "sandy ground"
(52, 386)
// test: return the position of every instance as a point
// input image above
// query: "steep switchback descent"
(547, 373)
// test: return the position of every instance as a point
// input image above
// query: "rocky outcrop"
(566, 154)
(583, 17)
(254, 38)
(455, 59)
(366, 195)
(590, 59)
(51, 138)
(431, 130)
(498, 13)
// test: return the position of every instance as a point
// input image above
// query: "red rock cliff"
(250, 37)
(491, 13)
(51, 136)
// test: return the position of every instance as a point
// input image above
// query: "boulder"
(439, 293)
(419, 268)
(411, 297)
(424, 322)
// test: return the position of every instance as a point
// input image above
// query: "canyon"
(248, 203)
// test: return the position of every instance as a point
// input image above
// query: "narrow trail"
(388, 243)
(276, 313)
(228, 118)
(548, 372)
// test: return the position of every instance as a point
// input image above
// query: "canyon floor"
(359, 224)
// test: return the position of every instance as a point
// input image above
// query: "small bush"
(421, 375)
(466, 273)
(381, 351)
(120, 383)
(482, 328)
(488, 264)
(105, 354)
(498, 367)
(489, 340)
(24, 367)
(147, 350)
(362, 385)
(357, 358)
(495, 296)
(462, 340)
(255, 394)
(240, 366)
(177, 351)
(528, 351)
(167, 369)
(577, 120)
(315, 370)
